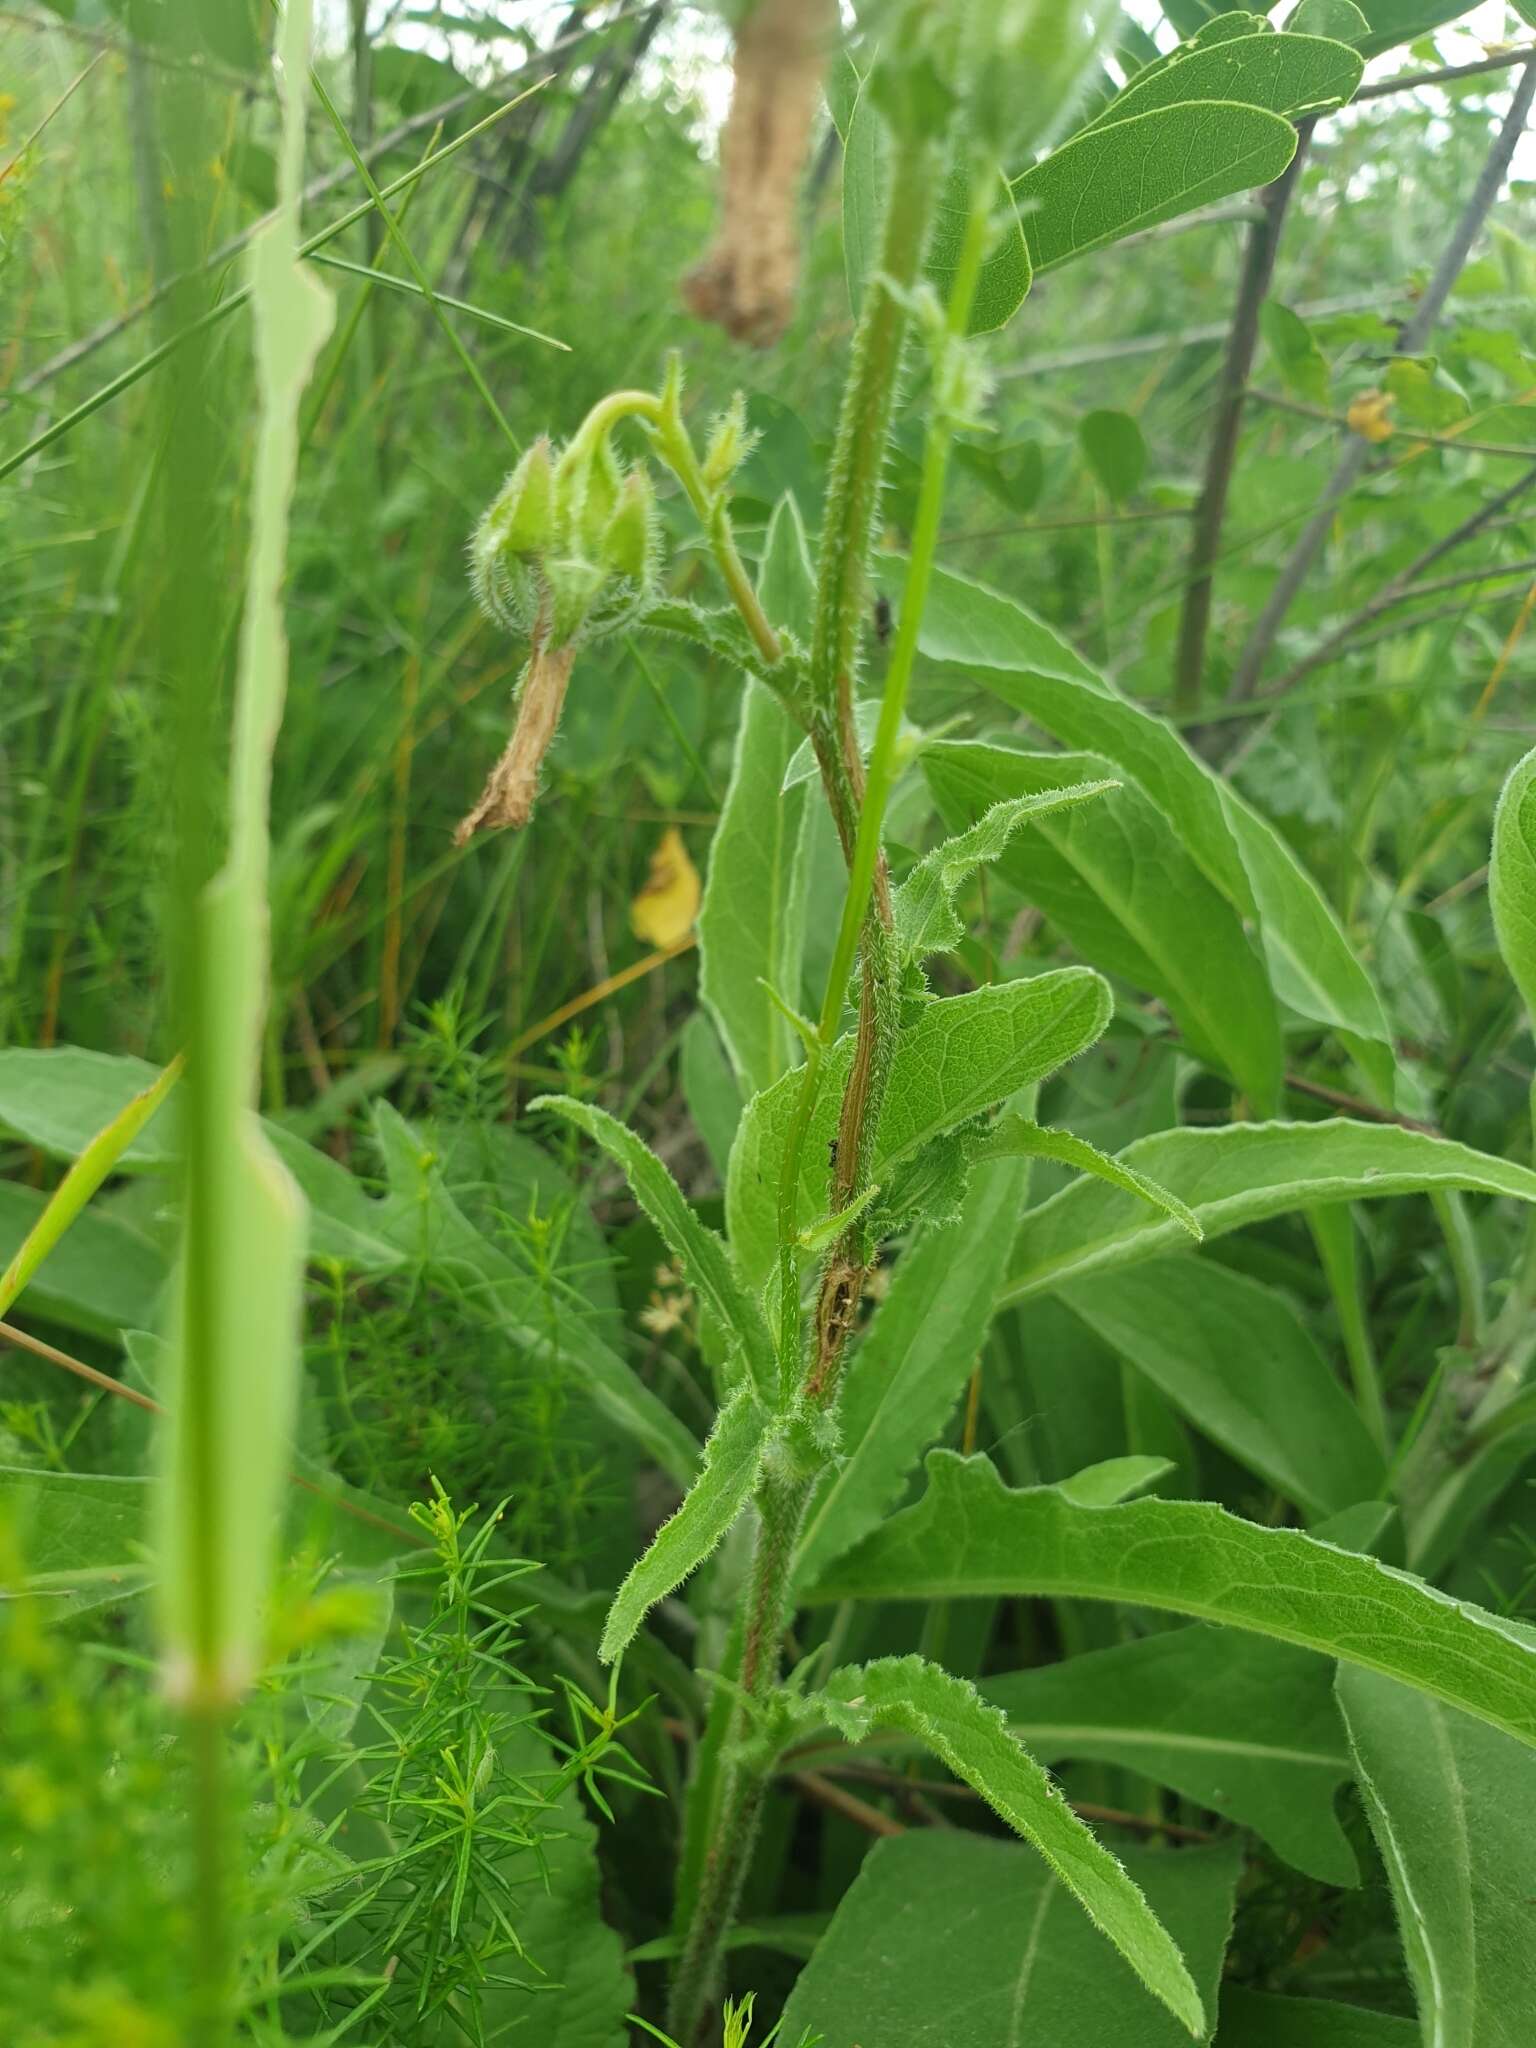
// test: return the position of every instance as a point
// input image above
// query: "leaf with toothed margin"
(971, 1536)
(958, 1058)
(733, 1457)
(705, 1260)
(949, 1717)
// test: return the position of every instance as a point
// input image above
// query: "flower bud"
(628, 545)
(730, 443)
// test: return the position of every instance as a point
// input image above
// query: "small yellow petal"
(664, 911)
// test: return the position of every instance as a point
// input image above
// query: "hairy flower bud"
(730, 443)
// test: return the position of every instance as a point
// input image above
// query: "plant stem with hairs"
(858, 803)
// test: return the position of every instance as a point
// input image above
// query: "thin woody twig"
(1232, 390)
(1419, 437)
(1250, 667)
(1407, 583)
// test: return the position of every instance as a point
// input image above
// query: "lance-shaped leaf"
(1129, 898)
(949, 1717)
(1113, 181)
(96, 1161)
(752, 919)
(1256, 2019)
(704, 1257)
(924, 905)
(1453, 1808)
(1512, 879)
(1238, 1361)
(1254, 1735)
(101, 1278)
(733, 1458)
(1288, 74)
(958, 1058)
(1017, 1138)
(1239, 1174)
(970, 1536)
(1022, 661)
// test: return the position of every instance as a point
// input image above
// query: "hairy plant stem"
(858, 806)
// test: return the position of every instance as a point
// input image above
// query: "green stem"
(782, 1498)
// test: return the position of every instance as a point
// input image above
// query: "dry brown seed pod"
(746, 281)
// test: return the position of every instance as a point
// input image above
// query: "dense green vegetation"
(842, 1341)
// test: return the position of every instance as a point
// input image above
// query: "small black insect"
(831, 1153)
(884, 619)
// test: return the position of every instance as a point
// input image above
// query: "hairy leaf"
(970, 1535)
(704, 1257)
(1240, 1174)
(732, 1460)
(752, 920)
(948, 1716)
(958, 1058)
(1022, 661)
(1251, 1731)
(923, 907)
(1017, 1137)
(947, 1938)
(1286, 73)
(1452, 1805)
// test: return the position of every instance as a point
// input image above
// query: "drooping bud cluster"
(567, 552)
(568, 549)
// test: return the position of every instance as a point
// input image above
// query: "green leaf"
(1251, 1732)
(80, 1535)
(948, 1940)
(101, 1278)
(1111, 182)
(1303, 366)
(709, 1088)
(752, 918)
(912, 1363)
(1005, 277)
(1029, 667)
(1237, 1360)
(1512, 879)
(1401, 21)
(970, 1536)
(1287, 74)
(428, 1224)
(1255, 2019)
(704, 1257)
(1116, 452)
(1339, 19)
(1017, 1137)
(923, 906)
(1452, 1805)
(957, 1059)
(1114, 1479)
(1115, 879)
(58, 1099)
(1240, 1174)
(96, 1162)
(733, 1458)
(949, 1717)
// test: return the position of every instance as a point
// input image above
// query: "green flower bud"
(629, 540)
(509, 541)
(731, 442)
